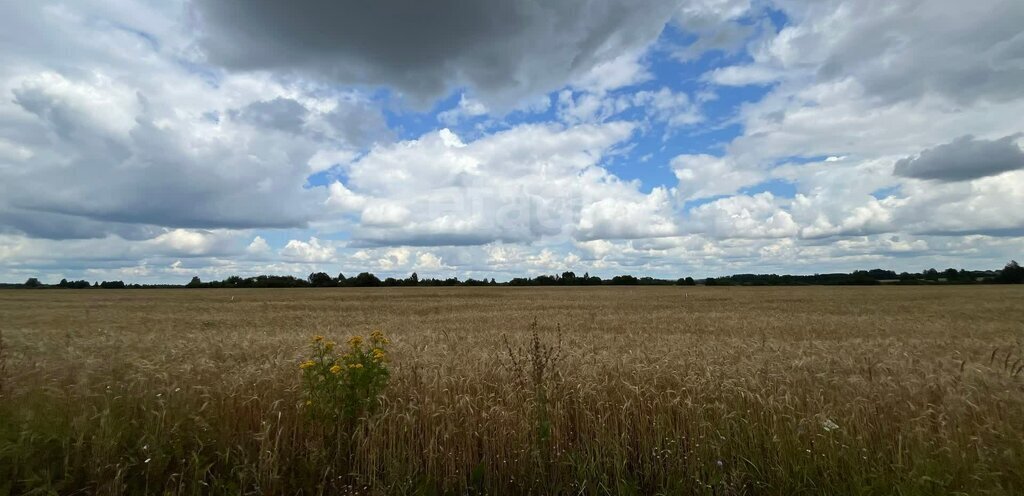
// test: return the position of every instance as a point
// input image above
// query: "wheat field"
(653, 390)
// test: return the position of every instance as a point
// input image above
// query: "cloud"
(504, 51)
(385, 215)
(113, 160)
(707, 16)
(647, 216)
(979, 206)
(357, 122)
(964, 158)
(624, 70)
(743, 75)
(742, 216)
(349, 121)
(19, 250)
(589, 107)
(102, 155)
(703, 176)
(663, 105)
(961, 51)
(112, 124)
(467, 108)
(308, 251)
(191, 242)
(428, 261)
(64, 226)
(12, 152)
(283, 114)
(717, 25)
(258, 247)
(343, 199)
(519, 185)
(728, 38)
(157, 140)
(875, 89)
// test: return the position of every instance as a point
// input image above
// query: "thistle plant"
(344, 384)
(532, 367)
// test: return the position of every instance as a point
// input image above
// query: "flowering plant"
(345, 384)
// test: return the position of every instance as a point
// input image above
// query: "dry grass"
(657, 390)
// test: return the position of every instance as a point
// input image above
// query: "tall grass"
(723, 391)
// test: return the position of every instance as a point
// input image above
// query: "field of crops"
(652, 390)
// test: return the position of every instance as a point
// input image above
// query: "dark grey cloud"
(47, 225)
(353, 122)
(505, 50)
(964, 158)
(283, 114)
(359, 123)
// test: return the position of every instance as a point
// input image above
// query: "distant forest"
(1012, 273)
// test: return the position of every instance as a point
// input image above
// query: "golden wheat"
(666, 390)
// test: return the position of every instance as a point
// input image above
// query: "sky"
(154, 140)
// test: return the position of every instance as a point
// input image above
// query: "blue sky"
(153, 141)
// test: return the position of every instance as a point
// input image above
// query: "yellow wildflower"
(356, 366)
(329, 345)
(378, 337)
(336, 369)
(355, 341)
(307, 364)
(318, 338)
(378, 354)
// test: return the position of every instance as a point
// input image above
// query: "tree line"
(1012, 273)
